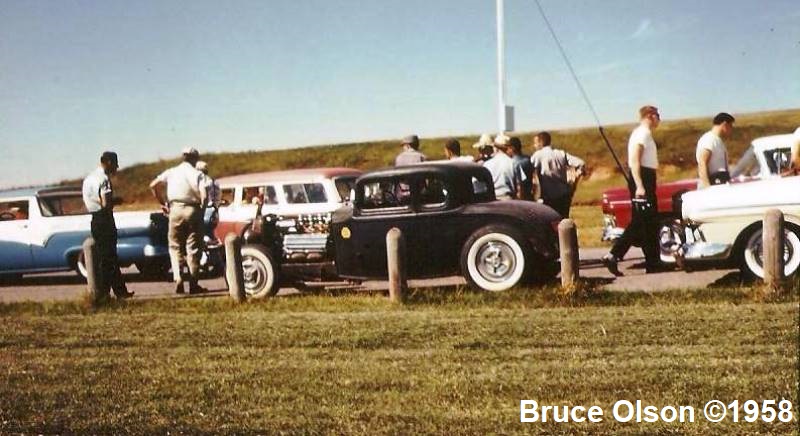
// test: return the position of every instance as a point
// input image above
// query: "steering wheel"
(7, 216)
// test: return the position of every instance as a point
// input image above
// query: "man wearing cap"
(501, 166)
(712, 153)
(485, 148)
(212, 189)
(99, 201)
(452, 152)
(643, 163)
(410, 154)
(550, 167)
(185, 195)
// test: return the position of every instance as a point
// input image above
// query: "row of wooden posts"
(773, 252)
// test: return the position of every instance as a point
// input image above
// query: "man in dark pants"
(98, 199)
(643, 163)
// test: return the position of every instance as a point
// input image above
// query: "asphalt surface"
(68, 286)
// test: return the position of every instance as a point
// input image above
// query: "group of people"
(546, 176)
(185, 192)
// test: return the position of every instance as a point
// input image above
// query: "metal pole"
(501, 68)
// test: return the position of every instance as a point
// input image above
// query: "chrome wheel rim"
(496, 261)
(255, 274)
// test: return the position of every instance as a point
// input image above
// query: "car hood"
(741, 198)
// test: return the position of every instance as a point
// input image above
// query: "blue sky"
(148, 77)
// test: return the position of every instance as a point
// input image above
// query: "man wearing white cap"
(484, 147)
(185, 195)
(501, 166)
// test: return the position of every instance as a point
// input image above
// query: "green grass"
(676, 139)
(449, 362)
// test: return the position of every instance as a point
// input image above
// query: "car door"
(441, 228)
(15, 247)
(383, 204)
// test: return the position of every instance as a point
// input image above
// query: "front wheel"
(494, 258)
(80, 266)
(751, 261)
(261, 272)
(670, 239)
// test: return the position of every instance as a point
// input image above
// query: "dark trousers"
(644, 222)
(104, 232)
(561, 204)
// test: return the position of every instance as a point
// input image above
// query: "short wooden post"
(396, 258)
(234, 273)
(93, 284)
(570, 260)
(772, 243)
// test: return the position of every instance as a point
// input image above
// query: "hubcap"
(255, 274)
(496, 261)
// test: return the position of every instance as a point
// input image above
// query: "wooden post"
(570, 260)
(90, 263)
(772, 244)
(396, 258)
(233, 267)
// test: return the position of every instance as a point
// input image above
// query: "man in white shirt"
(501, 166)
(452, 152)
(185, 196)
(712, 153)
(643, 163)
(98, 197)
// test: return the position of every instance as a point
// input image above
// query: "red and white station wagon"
(288, 194)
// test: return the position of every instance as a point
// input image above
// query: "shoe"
(123, 295)
(194, 288)
(610, 261)
(179, 287)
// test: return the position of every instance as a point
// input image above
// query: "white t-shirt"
(642, 135)
(719, 152)
(95, 185)
(184, 183)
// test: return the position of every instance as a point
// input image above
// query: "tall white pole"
(501, 68)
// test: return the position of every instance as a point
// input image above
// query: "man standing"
(485, 148)
(501, 166)
(643, 163)
(712, 154)
(211, 187)
(410, 154)
(99, 201)
(550, 167)
(452, 152)
(185, 196)
(523, 170)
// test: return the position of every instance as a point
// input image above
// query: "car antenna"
(583, 92)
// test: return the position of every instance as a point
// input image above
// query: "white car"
(723, 223)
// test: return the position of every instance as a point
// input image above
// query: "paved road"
(67, 286)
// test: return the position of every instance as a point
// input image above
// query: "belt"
(185, 203)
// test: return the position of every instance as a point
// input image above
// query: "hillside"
(676, 140)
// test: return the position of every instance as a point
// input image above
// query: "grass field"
(449, 362)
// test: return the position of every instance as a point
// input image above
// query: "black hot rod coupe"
(447, 212)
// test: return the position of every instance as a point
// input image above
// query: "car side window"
(271, 196)
(305, 193)
(386, 195)
(433, 193)
(227, 195)
(480, 190)
(778, 159)
(252, 194)
(14, 210)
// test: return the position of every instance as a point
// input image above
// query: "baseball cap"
(201, 166)
(410, 139)
(484, 141)
(189, 151)
(109, 156)
(501, 140)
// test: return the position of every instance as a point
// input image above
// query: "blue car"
(43, 229)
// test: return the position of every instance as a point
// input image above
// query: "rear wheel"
(751, 261)
(261, 272)
(495, 258)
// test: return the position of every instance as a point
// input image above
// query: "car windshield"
(62, 205)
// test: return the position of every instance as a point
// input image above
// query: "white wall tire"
(80, 266)
(751, 263)
(261, 273)
(493, 259)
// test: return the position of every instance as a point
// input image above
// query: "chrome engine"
(305, 238)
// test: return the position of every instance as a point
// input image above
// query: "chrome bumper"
(704, 251)
(610, 230)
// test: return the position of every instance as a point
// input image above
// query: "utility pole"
(505, 114)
